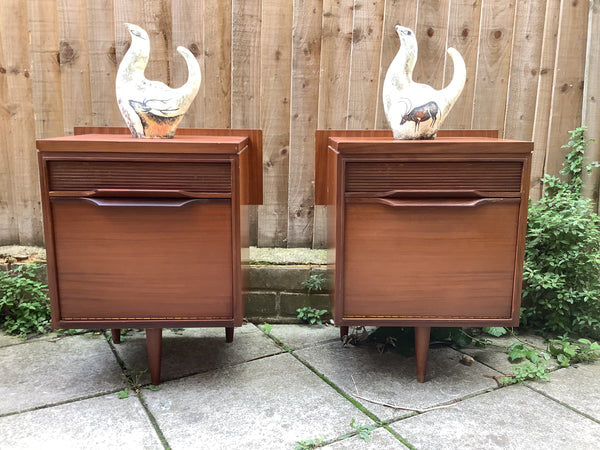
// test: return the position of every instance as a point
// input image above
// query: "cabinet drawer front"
(185, 176)
(430, 262)
(485, 177)
(144, 263)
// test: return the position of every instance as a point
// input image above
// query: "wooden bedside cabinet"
(424, 233)
(148, 233)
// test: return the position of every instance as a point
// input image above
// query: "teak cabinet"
(148, 233)
(424, 233)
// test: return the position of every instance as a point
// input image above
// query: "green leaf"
(124, 393)
(494, 331)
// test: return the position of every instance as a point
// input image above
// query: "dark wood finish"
(425, 233)
(229, 334)
(422, 335)
(116, 335)
(154, 348)
(343, 332)
(146, 232)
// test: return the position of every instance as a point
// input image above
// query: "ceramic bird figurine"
(415, 110)
(152, 109)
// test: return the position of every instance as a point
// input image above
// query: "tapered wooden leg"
(116, 335)
(228, 334)
(421, 350)
(343, 332)
(154, 346)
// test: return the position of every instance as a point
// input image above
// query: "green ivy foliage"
(24, 305)
(561, 280)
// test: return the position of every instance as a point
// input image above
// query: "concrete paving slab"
(270, 403)
(391, 378)
(193, 350)
(301, 336)
(380, 439)
(95, 423)
(6, 340)
(43, 372)
(514, 417)
(577, 386)
(495, 355)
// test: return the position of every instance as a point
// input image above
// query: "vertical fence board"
(463, 30)
(591, 97)
(188, 31)
(103, 63)
(19, 143)
(245, 77)
(276, 53)
(397, 12)
(304, 111)
(364, 64)
(544, 96)
(431, 32)
(46, 77)
(217, 63)
(74, 64)
(567, 95)
(524, 70)
(493, 64)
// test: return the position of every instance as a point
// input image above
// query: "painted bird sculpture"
(152, 109)
(416, 110)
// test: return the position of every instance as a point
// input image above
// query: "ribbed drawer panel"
(188, 176)
(372, 177)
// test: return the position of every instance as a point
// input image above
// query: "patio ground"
(264, 393)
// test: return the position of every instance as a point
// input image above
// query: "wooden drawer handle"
(434, 203)
(138, 202)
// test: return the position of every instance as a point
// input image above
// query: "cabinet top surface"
(113, 143)
(380, 145)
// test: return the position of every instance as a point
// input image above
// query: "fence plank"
(74, 64)
(46, 79)
(544, 96)
(497, 19)
(103, 63)
(245, 77)
(276, 50)
(188, 31)
(304, 110)
(364, 64)
(463, 32)
(432, 34)
(567, 95)
(396, 12)
(591, 96)
(19, 142)
(217, 63)
(524, 71)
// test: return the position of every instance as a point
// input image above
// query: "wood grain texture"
(188, 31)
(217, 63)
(364, 64)
(103, 63)
(306, 51)
(524, 69)
(276, 54)
(544, 104)
(463, 33)
(567, 95)
(432, 36)
(591, 98)
(74, 64)
(46, 75)
(493, 64)
(19, 126)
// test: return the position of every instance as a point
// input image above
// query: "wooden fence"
(290, 67)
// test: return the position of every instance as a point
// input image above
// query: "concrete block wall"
(275, 278)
